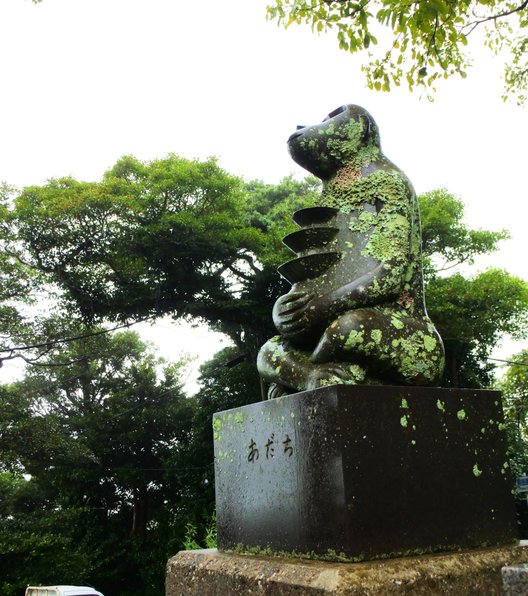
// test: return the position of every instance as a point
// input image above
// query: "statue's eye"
(337, 111)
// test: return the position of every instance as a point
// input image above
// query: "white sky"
(87, 81)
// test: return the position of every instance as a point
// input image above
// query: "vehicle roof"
(72, 590)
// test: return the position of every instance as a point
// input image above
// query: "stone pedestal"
(363, 471)
(210, 573)
(515, 580)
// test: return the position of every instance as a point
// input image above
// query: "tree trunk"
(140, 512)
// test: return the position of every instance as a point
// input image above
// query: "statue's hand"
(294, 312)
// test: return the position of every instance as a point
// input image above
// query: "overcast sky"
(87, 81)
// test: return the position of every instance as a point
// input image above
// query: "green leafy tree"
(446, 239)
(20, 283)
(426, 41)
(168, 236)
(150, 238)
(99, 423)
(37, 544)
(472, 314)
(171, 236)
(514, 387)
(471, 311)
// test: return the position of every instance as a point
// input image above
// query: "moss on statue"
(355, 313)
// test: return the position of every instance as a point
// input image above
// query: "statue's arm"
(391, 247)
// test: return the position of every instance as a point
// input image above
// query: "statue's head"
(338, 140)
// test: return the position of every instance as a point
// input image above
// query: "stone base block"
(210, 573)
(515, 580)
(370, 472)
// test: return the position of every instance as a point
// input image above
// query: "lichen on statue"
(355, 313)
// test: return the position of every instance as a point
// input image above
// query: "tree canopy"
(514, 387)
(167, 236)
(98, 428)
(147, 239)
(426, 41)
(472, 311)
(172, 236)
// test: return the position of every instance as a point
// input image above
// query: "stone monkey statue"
(355, 313)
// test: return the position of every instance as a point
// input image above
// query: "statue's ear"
(366, 124)
(370, 134)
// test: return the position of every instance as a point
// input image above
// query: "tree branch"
(474, 24)
(50, 344)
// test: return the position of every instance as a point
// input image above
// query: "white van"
(61, 591)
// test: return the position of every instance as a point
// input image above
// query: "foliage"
(446, 237)
(19, 284)
(37, 544)
(169, 236)
(429, 40)
(269, 208)
(514, 387)
(471, 314)
(222, 387)
(191, 532)
(472, 311)
(98, 427)
(150, 238)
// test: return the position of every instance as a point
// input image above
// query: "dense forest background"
(106, 464)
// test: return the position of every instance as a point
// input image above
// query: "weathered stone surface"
(515, 580)
(366, 471)
(210, 573)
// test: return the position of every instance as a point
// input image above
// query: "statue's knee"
(350, 323)
(269, 354)
(332, 342)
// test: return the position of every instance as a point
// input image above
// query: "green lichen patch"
(461, 414)
(357, 373)
(430, 343)
(363, 222)
(376, 335)
(217, 429)
(398, 323)
(355, 338)
(476, 471)
(339, 557)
